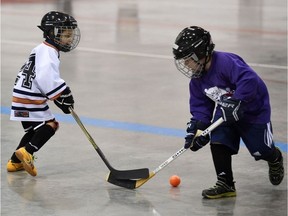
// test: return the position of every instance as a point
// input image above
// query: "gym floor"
(134, 103)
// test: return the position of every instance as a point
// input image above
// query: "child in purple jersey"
(223, 85)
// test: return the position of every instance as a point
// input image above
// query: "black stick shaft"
(117, 174)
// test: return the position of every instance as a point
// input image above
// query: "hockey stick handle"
(182, 150)
(177, 154)
(120, 174)
(77, 119)
(212, 127)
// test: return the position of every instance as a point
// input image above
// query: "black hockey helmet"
(192, 42)
(62, 29)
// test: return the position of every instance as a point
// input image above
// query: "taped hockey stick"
(133, 184)
(117, 174)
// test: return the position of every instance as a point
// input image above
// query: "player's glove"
(65, 100)
(191, 130)
(199, 141)
(230, 108)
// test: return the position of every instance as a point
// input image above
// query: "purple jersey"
(230, 73)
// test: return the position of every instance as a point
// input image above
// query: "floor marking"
(148, 55)
(128, 126)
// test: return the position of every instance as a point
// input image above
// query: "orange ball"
(174, 180)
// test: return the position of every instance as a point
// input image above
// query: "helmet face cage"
(62, 29)
(66, 37)
(189, 67)
(191, 46)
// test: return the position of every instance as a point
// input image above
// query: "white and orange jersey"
(37, 82)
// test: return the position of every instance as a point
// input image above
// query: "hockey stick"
(117, 174)
(132, 184)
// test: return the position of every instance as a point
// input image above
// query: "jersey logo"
(24, 114)
(28, 71)
(215, 93)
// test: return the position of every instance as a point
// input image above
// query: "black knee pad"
(41, 136)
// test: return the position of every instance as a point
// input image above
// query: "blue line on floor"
(135, 127)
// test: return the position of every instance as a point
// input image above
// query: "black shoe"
(276, 170)
(221, 189)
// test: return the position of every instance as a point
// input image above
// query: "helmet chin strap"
(203, 69)
(207, 59)
(50, 41)
(205, 63)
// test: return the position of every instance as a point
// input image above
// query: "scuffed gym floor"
(134, 103)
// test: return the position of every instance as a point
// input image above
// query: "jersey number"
(28, 70)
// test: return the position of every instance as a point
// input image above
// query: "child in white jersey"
(39, 81)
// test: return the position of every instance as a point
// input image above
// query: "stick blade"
(129, 183)
(125, 183)
(129, 174)
(142, 181)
